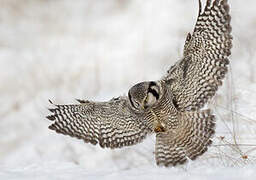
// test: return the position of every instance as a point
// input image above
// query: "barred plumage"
(171, 107)
(111, 124)
(195, 78)
(189, 139)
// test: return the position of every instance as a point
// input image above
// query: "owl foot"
(159, 128)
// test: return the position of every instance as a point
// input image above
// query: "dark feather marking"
(185, 65)
(82, 101)
(51, 117)
(152, 91)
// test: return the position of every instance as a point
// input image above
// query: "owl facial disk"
(153, 94)
(134, 100)
(144, 95)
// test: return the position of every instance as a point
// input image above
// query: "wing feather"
(196, 78)
(111, 124)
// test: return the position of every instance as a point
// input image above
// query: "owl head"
(144, 95)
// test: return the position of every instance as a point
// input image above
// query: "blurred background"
(96, 50)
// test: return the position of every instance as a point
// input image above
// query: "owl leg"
(157, 125)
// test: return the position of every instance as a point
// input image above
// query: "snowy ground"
(94, 49)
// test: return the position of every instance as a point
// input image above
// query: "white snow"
(96, 50)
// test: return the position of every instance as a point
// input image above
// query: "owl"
(172, 108)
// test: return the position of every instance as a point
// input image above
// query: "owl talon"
(159, 129)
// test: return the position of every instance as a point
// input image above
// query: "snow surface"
(94, 49)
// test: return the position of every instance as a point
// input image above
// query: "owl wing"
(196, 78)
(111, 124)
(189, 139)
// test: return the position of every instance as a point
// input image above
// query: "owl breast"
(163, 115)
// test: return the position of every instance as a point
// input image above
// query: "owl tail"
(189, 140)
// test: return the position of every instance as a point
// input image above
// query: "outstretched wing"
(196, 78)
(190, 139)
(111, 124)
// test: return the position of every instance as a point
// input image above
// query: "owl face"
(144, 95)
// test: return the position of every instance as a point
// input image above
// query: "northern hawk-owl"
(171, 107)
